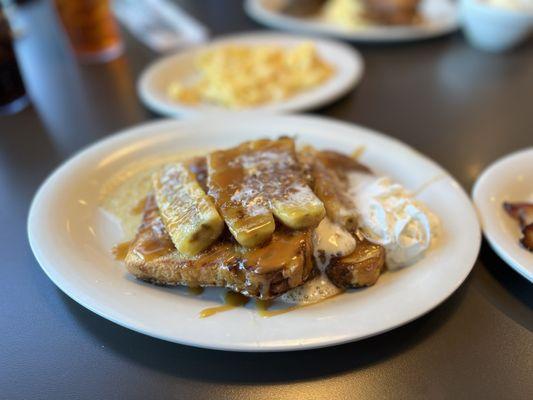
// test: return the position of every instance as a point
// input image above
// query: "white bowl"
(494, 28)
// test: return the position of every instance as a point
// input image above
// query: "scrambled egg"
(238, 76)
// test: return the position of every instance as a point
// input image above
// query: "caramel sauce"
(150, 250)
(231, 300)
(120, 251)
(155, 248)
(272, 313)
(281, 249)
(195, 290)
(139, 207)
(239, 201)
(358, 152)
(156, 242)
(263, 307)
(198, 166)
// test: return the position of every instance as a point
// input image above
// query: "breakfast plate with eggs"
(255, 71)
(359, 20)
(254, 232)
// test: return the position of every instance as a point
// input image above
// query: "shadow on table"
(505, 288)
(253, 368)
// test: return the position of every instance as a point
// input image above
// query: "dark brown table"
(461, 107)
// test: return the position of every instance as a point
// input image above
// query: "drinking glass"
(91, 28)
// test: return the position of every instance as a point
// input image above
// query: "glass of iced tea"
(91, 28)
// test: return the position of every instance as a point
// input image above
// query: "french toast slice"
(358, 269)
(264, 272)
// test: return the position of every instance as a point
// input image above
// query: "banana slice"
(291, 200)
(189, 215)
(238, 197)
(330, 188)
(296, 217)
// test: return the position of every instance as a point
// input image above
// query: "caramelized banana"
(189, 215)
(290, 212)
(239, 197)
(256, 179)
(332, 191)
(328, 175)
(292, 200)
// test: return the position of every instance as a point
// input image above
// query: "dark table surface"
(459, 106)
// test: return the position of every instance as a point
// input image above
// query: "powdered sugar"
(271, 175)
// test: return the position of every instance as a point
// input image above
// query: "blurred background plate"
(441, 17)
(154, 82)
(508, 179)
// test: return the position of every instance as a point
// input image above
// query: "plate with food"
(254, 232)
(359, 20)
(503, 195)
(254, 71)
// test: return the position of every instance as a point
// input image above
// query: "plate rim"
(271, 19)
(182, 111)
(488, 233)
(139, 129)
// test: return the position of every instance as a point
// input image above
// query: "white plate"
(508, 179)
(154, 82)
(441, 18)
(72, 241)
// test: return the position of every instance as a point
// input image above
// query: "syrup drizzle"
(195, 290)
(139, 207)
(263, 307)
(231, 300)
(120, 251)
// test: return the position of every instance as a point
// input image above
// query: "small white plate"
(71, 239)
(441, 17)
(508, 179)
(154, 82)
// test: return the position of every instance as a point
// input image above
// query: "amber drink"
(91, 28)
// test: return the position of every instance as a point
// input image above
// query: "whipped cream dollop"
(389, 215)
(331, 240)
